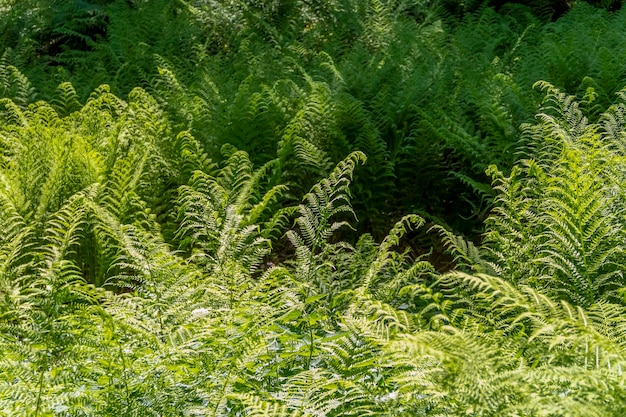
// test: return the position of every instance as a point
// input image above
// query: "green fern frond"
(66, 101)
(510, 236)
(466, 254)
(11, 113)
(16, 86)
(256, 407)
(192, 157)
(562, 227)
(386, 258)
(567, 121)
(221, 213)
(387, 320)
(326, 199)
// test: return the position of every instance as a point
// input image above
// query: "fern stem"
(311, 346)
(39, 392)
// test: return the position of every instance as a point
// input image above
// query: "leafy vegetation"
(312, 208)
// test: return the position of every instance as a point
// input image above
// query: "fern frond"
(466, 254)
(66, 101)
(256, 407)
(218, 215)
(16, 86)
(386, 257)
(325, 200)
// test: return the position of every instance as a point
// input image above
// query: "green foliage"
(425, 93)
(15, 86)
(222, 228)
(214, 328)
(559, 223)
(507, 349)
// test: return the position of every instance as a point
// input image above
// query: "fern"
(318, 221)
(55, 304)
(16, 86)
(547, 342)
(222, 213)
(67, 101)
(559, 222)
(144, 263)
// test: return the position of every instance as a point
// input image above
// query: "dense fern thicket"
(224, 208)
(432, 93)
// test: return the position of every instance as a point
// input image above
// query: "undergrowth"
(212, 209)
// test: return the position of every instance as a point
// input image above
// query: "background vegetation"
(312, 208)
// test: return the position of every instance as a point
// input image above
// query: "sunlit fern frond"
(214, 227)
(193, 157)
(537, 342)
(574, 390)
(54, 305)
(385, 320)
(317, 392)
(557, 219)
(386, 256)
(11, 112)
(326, 199)
(253, 406)
(581, 243)
(511, 238)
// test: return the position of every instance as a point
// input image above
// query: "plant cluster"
(431, 92)
(203, 209)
